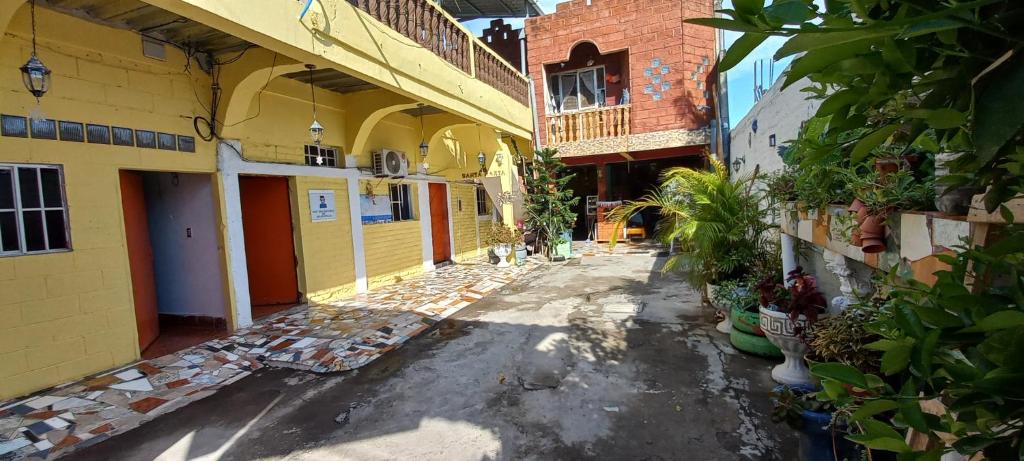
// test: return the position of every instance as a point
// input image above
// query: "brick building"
(623, 89)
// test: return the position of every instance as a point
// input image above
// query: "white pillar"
(788, 254)
(235, 246)
(358, 248)
(451, 224)
(426, 233)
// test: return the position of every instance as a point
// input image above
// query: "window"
(577, 89)
(401, 202)
(482, 208)
(33, 214)
(328, 156)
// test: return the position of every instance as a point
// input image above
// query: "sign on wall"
(321, 205)
(375, 208)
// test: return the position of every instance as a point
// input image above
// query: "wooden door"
(439, 222)
(140, 257)
(269, 248)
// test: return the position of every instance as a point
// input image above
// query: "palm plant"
(720, 226)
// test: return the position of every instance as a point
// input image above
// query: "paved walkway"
(338, 336)
(599, 358)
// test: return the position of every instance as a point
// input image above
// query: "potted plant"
(786, 319)
(550, 203)
(502, 239)
(821, 436)
(741, 305)
(719, 224)
(881, 194)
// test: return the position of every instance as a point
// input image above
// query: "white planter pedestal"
(502, 251)
(781, 331)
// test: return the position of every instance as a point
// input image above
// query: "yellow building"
(169, 175)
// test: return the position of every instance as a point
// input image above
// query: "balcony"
(424, 22)
(588, 125)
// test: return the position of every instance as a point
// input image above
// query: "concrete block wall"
(467, 227)
(393, 250)
(69, 314)
(326, 265)
(647, 30)
(779, 113)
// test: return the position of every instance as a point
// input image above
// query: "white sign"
(375, 209)
(321, 205)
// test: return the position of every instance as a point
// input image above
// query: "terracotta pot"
(855, 239)
(872, 234)
(856, 206)
(887, 165)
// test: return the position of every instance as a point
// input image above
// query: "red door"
(439, 222)
(269, 249)
(140, 257)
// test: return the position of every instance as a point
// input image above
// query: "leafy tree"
(549, 202)
(940, 74)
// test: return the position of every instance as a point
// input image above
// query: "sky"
(741, 77)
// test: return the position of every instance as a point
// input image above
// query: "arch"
(7, 11)
(241, 81)
(366, 116)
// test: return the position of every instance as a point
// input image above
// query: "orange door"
(269, 249)
(140, 257)
(439, 222)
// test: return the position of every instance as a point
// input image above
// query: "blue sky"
(741, 77)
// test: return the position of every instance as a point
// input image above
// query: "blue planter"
(817, 442)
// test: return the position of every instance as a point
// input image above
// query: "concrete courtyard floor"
(558, 367)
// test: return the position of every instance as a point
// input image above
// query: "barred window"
(401, 202)
(33, 211)
(321, 156)
(483, 207)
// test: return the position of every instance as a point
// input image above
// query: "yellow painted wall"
(393, 250)
(467, 227)
(66, 315)
(326, 268)
(276, 128)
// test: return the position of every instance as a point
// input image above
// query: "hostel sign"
(321, 205)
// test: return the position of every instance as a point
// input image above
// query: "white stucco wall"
(778, 113)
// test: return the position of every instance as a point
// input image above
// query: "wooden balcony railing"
(585, 125)
(426, 23)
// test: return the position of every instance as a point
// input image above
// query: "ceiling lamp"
(480, 157)
(316, 130)
(424, 147)
(34, 73)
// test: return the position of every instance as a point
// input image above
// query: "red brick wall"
(504, 40)
(647, 30)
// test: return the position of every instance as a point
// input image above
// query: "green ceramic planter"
(753, 344)
(746, 321)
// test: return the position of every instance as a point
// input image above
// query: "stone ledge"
(913, 239)
(634, 143)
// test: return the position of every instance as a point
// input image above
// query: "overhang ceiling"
(465, 10)
(152, 22)
(333, 80)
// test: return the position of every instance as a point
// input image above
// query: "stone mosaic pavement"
(335, 336)
(646, 247)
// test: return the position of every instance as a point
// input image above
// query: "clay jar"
(872, 234)
(858, 208)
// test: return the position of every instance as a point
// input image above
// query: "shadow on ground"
(602, 358)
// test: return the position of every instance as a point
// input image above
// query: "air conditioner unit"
(390, 163)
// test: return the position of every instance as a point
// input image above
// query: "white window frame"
(326, 152)
(19, 209)
(601, 89)
(404, 197)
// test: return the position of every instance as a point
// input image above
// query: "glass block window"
(33, 211)
(322, 156)
(401, 202)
